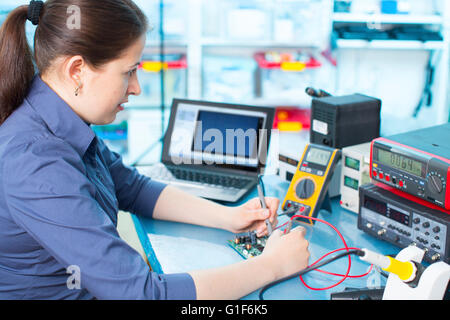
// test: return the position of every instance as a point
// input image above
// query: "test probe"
(263, 205)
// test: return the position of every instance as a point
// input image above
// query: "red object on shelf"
(328, 55)
(155, 66)
(264, 64)
(180, 64)
(292, 119)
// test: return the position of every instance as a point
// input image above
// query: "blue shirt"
(60, 192)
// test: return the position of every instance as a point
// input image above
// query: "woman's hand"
(250, 216)
(286, 254)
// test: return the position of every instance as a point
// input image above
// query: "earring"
(77, 89)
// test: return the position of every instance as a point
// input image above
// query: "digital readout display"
(375, 205)
(351, 183)
(401, 162)
(383, 209)
(398, 216)
(318, 156)
(352, 163)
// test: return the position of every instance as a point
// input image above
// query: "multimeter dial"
(435, 183)
(305, 188)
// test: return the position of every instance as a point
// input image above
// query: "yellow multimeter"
(309, 185)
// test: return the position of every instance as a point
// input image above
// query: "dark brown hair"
(107, 28)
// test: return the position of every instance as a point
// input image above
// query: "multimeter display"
(318, 156)
(401, 162)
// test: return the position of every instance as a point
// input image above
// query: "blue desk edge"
(146, 245)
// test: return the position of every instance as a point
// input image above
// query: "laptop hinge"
(230, 171)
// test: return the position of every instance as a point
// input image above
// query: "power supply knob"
(435, 184)
(436, 257)
(381, 232)
(305, 188)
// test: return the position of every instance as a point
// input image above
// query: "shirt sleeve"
(49, 196)
(136, 193)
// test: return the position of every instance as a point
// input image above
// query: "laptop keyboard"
(185, 174)
(203, 177)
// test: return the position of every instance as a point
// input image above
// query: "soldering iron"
(408, 271)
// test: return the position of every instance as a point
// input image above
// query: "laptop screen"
(217, 134)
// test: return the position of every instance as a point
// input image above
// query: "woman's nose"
(133, 87)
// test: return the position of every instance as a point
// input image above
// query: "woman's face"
(105, 90)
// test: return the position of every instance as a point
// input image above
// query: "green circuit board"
(248, 247)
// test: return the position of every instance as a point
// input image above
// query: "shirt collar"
(59, 116)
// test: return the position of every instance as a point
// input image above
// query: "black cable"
(427, 95)
(308, 269)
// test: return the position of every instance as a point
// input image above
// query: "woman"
(61, 187)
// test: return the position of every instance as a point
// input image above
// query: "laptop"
(214, 150)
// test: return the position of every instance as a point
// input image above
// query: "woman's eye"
(132, 72)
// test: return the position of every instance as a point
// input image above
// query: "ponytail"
(16, 62)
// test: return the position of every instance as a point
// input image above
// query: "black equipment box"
(402, 222)
(342, 121)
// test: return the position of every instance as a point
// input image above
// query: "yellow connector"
(406, 271)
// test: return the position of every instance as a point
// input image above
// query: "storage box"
(285, 78)
(175, 19)
(248, 24)
(228, 78)
(306, 23)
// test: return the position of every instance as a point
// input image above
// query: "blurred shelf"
(147, 106)
(301, 101)
(167, 43)
(387, 18)
(254, 43)
(390, 44)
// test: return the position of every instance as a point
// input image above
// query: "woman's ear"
(74, 71)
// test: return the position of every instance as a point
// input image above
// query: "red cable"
(281, 225)
(346, 248)
(327, 254)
